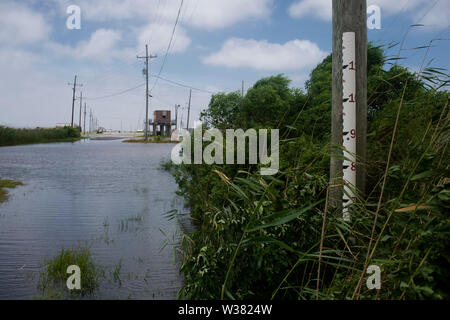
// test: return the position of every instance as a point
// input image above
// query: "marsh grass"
(53, 277)
(7, 184)
(13, 136)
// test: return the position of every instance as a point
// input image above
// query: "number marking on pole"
(349, 119)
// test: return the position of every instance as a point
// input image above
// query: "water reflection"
(109, 195)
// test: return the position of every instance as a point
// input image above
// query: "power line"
(168, 47)
(182, 85)
(117, 94)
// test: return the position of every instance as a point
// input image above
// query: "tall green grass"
(262, 237)
(53, 277)
(12, 136)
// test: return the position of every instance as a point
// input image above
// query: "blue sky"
(217, 44)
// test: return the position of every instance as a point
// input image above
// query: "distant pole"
(176, 116)
(81, 104)
(189, 109)
(73, 96)
(90, 120)
(242, 88)
(349, 20)
(181, 118)
(147, 94)
(84, 126)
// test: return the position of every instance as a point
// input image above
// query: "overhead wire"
(168, 46)
(116, 94)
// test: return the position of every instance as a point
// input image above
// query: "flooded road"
(108, 195)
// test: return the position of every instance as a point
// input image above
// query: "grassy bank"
(277, 237)
(7, 184)
(13, 136)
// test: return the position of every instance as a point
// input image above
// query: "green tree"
(222, 111)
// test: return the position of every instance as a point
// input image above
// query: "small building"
(161, 124)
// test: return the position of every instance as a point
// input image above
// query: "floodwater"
(108, 195)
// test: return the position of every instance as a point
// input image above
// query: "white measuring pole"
(349, 120)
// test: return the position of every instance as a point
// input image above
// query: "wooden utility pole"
(147, 94)
(90, 120)
(73, 96)
(81, 105)
(84, 126)
(176, 116)
(348, 16)
(189, 109)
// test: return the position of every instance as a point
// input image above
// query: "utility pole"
(176, 115)
(84, 126)
(147, 57)
(73, 95)
(81, 104)
(189, 109)
(242, 88)
(349, 26)
(181, 118)
(90, 120)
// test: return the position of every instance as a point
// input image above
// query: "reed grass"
(13, 136)
(278, 237)
(54, 275)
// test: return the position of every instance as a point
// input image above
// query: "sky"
(217, 44)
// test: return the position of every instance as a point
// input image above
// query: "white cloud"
(32, 100)
(220, 14)
(163, 31)
(20, 25)
(262, 55)
(102, 46)
(210, 14)
(319, 8)
(105, 44)
(415, 9)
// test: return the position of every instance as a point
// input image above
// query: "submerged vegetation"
(264, 237)
(12, 136)
(52, 281)
(9, 184)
